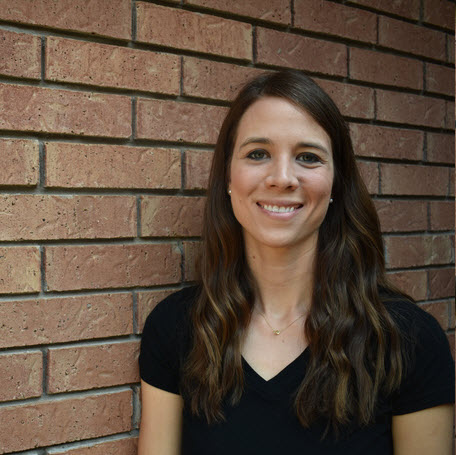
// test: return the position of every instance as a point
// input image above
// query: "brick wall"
(109, 110)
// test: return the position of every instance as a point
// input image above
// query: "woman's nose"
(282, 175)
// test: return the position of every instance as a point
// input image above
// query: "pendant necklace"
(277, 331)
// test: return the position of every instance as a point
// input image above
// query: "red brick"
(440, 310)
(214, 80)
(193, 31)
(111, 266)
(53, 422)
(20, 270)
(46, 217)
(441, 215)
(334, 19)
(22, 375)
(44, 110)
(352, 100)
(111, 166)
(20, 162)
(411, 109)
(63, 319)
(439, 79)
(20, 55)
(452, 308)
(405, 8)
(398, 215)
(441, 283)
(449, 117)
(90, 367)
(383, 142)
(439, 12)
(191, 256)
(366, 65)
(296, 51)
(269, 10)
(417, 250)
(147, 301)
(440, 148)
(175, 121)
(171, 216)
(369, 173)
(411, 38)
(125, 446)
(450, 48)
(407, 179)
(412, 282)
(103, 17)
(197, 168)
(83, 62)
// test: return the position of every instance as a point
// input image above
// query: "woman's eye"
(309, 158)
(257, 155)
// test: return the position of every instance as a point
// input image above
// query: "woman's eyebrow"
(256, 140)
(313, 145)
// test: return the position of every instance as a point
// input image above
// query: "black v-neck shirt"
(264, 421)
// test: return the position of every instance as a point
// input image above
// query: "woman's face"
(281, 175)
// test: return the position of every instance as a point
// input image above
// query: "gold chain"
(276, 331)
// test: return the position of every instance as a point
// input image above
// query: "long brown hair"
(349, 330)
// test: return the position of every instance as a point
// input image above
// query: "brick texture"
(111, 66)
(440, 148)
(404, 216)
(124, 446)
(36, 425)
(324, 17)
(171, 120)
(63, 319)
(36, 217)
(405, 8)
(392, 143)
(197, 168)
(411, 109)
(111, 166)
(19, 270)
(286, 50)
(44, 110)
(165, 216)
(23, 375)
(103, 17)
(109, 113)
(370, 66)
(440, 79)
(266, 10)
(413, 180)
(411, 38)
(111, 266)
(20, 162)
(20, 55)
(214, 80)
(198, 32)
(79, 368)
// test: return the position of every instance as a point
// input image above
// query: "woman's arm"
(429, 431)
(161, 422)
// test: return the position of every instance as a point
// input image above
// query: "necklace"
(276, 331)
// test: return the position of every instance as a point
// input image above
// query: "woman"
(293, 342)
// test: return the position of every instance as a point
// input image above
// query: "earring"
(331, 200)
(229, 192)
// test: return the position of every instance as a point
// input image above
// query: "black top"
(264, 422)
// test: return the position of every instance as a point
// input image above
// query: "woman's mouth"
(280, 208)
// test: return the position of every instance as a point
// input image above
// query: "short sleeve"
(161, 343)
(429, 376)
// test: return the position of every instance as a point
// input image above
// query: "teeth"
(277, 209)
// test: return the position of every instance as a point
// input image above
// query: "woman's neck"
(284, 279)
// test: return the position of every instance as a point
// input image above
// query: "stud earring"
(331, 200)
(229, 192)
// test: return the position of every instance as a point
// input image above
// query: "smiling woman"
(293, 341)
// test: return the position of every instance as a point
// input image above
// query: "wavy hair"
(354, 344)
